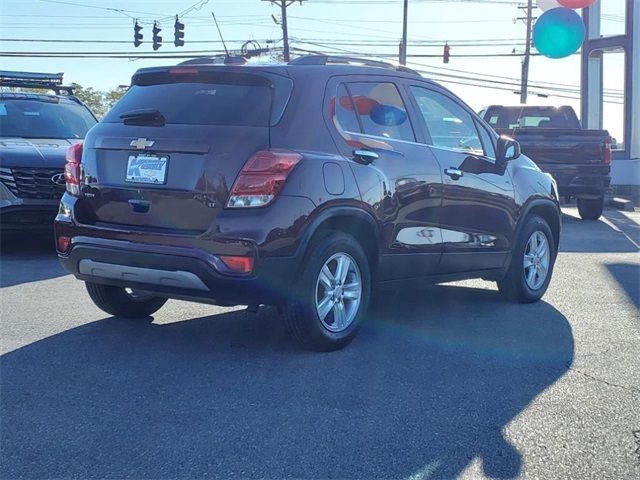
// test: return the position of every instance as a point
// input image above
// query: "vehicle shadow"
(628, 277)
(28, 258)
(597, 236)
(428, 385)
(625, 224)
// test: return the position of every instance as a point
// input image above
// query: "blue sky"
(360, 26)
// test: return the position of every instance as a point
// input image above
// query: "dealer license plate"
(149, 169)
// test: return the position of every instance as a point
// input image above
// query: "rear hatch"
(165, 157)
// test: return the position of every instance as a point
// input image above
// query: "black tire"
(116, 301)
(514, 285)
(301, 314)
(590, 208)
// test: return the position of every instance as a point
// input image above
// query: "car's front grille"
(33, 182)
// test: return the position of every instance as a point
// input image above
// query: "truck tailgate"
(559, 146)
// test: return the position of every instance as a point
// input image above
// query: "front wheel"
(121, 302)
(332, 295)
(532, 262)
(590, 208)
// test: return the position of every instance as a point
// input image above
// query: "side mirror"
(507, 149)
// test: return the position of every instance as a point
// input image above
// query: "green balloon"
(558, 33)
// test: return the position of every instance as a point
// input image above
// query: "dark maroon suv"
(307, 186)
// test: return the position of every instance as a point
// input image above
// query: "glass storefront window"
(613, 17)
(613, 88)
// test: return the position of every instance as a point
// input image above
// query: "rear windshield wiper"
(144, 116)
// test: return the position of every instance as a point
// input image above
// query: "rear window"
(533, 117)
(373, 108)
(226, 99)
(44, 119)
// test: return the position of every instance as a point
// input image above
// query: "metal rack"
(52, 81)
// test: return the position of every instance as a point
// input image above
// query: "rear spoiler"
(51, 81)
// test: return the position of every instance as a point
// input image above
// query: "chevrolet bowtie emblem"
(142, 143)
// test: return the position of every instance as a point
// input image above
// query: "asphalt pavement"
(451, 381)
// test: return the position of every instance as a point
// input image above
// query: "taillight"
(183, 71)
(72, 169)
(238, 264)
(262, 178)
(63, 244)
(606, 158)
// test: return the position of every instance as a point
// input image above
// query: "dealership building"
(614, 47)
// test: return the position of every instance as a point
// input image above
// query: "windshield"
(39, 119)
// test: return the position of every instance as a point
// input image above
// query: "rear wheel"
(590, 208)
(532, 263)
(122, 302)
(332, 294)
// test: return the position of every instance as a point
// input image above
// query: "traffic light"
(157, 39)
(137, 36)
(178, 33)
(447, 50)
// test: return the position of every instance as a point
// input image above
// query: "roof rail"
(339, 59)
(52, 81)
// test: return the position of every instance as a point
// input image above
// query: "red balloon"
(576, 3)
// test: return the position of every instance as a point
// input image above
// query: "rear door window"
(345, 112)
(380, 110)
(233, 100)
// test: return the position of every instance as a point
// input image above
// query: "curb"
(622, 204)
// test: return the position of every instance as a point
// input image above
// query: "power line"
(480, 82)
(131, 13)
(48, 40)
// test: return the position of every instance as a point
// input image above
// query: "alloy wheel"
(338, 292)
(537, 257)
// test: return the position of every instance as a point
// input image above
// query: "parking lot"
(445, 382)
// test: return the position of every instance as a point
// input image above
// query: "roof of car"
(293, 69)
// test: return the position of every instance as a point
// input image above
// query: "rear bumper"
(172, 272)
(582, 184)
(577, 179)
(175, 264)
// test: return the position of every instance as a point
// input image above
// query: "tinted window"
(44, 119)
(450, 125)
(381, 111)
(199, 103)
(344, 111)
(533, 117)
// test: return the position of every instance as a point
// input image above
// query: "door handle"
(454, 173)
(365, 157)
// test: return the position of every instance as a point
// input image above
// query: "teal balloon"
(558, 33)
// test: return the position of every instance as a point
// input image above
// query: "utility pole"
(403, 45)
(283, 4)
(524, 84)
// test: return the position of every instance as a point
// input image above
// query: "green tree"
(113, 95)
(94, 99)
